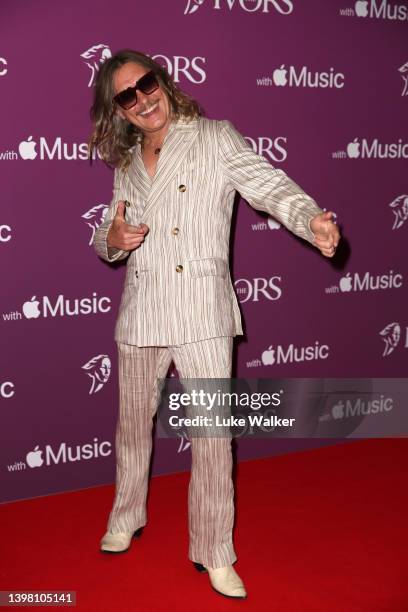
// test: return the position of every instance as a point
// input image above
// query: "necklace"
(156, 150)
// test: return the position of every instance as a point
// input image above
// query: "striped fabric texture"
(211, 490)
(178, 287)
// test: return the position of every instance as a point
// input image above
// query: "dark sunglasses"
(147, 84)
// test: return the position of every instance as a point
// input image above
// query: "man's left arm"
(270, 189)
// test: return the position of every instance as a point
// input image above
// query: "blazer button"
(182, 188)
(175, 231)
(179, 268)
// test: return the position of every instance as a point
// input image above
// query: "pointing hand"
(326, 233)
(124, 236)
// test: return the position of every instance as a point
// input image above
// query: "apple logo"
(34, 458)
(345, 282)
(26, 148)
(279, 76)
(268, 357)
(353, 148)
(338, 410)
(273, 224)
(30, 309)
(361, 8)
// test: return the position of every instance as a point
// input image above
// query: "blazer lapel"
(179, 139)
(138, 175)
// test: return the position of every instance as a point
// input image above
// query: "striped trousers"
(211, 491)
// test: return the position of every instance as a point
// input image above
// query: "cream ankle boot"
(119, 542)
(224, 580)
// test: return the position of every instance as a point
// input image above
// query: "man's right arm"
(100, 241)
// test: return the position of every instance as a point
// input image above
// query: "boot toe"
(226, 581)
(116, 542)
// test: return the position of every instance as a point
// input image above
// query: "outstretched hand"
(326, 233)
(123, 236)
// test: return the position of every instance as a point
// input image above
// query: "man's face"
(156, 104)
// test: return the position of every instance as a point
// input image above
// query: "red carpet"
(322, 530)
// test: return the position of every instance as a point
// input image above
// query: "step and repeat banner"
(319, 88)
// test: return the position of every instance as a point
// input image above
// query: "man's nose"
(142, 99)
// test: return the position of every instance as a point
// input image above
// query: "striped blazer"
(178, 286)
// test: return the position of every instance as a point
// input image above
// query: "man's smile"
(149, 111)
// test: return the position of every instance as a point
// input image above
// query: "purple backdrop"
(319, 88)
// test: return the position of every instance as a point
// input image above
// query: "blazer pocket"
(134, 275)
(142, 272)
(208, 266)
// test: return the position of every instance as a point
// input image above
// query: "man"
(176, 174)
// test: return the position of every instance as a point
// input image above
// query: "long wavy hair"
(113, 137)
